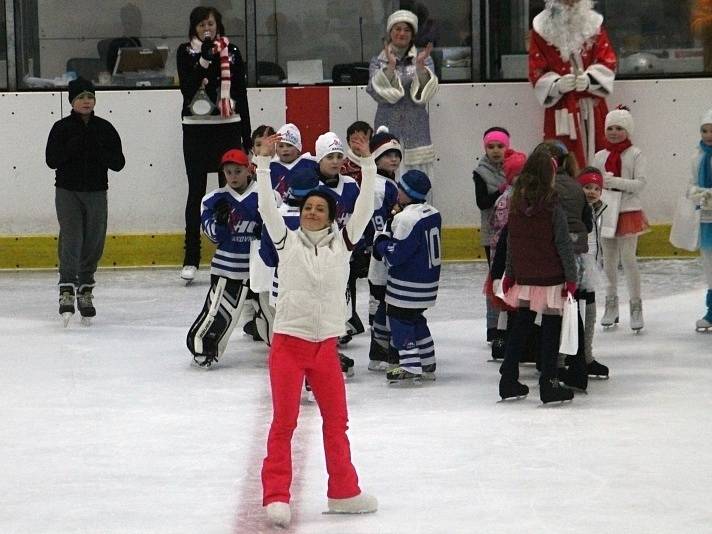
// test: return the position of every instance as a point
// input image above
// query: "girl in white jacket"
(623, 169)
(310, 316)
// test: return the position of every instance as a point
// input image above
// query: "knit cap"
(302, 181)
(620, 117)
(291, 135)
(415, 183)
(328, 143)
(402, 15)
(384, 141)
(706, 118)
(79, 86)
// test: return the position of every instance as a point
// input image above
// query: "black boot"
(551, 391)
(498, 344)
(85, 302)
(597, 369)
(512, 388)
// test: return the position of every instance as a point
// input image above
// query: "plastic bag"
(609, 218)
(685, 231)
(569, 341)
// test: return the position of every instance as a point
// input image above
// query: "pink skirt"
(546, 300)
(632, 223)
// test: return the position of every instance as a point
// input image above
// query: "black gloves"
(206, 50)
(222, 211)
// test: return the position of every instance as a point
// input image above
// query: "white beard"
(568, 28)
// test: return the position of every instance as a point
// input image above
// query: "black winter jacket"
(83, 153)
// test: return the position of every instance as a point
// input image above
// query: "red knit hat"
(591, 176)
(513, 165)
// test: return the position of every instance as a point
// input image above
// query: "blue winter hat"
(302, 182)
(415, 183)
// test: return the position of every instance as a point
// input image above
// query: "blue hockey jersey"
(345, 193)
(280, 173)
(232, 257)
(413, 255)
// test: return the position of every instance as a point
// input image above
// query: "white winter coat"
(632, 181)
(311, 303)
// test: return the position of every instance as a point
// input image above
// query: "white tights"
(621, 249)
(707, 265)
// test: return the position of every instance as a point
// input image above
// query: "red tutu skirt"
(632, 223)
(489, 290)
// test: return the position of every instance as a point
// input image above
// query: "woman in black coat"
(215, 114)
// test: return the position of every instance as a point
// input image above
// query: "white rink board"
(666, 113)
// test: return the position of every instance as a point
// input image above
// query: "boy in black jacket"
(81, 147)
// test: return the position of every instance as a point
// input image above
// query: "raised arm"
(363, 209)
(267, 204)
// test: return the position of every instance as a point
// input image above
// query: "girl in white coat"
(310, 313)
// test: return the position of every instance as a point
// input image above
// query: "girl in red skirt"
(623, 167)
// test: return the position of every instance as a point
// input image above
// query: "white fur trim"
(390, 92)
(429, 89)
(545, 90)
(601, 80)
(422, 154)
(402, 15)
(568, 28)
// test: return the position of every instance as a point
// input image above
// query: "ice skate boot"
(279, 514)
(429, 372)
(401, 375)
(85, 304)
(597, 370)
(363, 503)
(377, 357)
(66, 302)
(636, 315)
(509, 389)
(610, 315)
(498, 345)
(705, 324)
(551, 391)
(187, 273)
(347, 365)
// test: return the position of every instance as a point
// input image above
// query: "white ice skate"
(187, 273)
(703, 325)
(636, 315)
(279, 514)
(610, 315)
(363, 503)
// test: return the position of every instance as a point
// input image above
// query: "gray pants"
(82, 232)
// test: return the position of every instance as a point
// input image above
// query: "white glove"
(706, 200)
(582, 83)
(566, 83)
(697, 193)
(607, 179)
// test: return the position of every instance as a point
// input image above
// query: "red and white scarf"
(225, 104)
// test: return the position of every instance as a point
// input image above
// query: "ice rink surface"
(109, 429)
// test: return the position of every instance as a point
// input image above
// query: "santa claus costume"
(572, 67)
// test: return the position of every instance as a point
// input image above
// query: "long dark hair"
(199, 14)
(330, 202)
(535, 184)
(564, 159)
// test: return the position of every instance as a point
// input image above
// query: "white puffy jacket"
(632, 179)
(311, 303)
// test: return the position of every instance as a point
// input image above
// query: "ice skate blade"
(409, 382)
(512, 399)
(703, 329)
(66, 316)
(553, 403)
(599, 377)
(86, 321)
(637, 330)
(349, 373)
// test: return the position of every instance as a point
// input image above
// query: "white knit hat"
(403, 15)
(328, 143)
(706, 118)
(620, 117)
(291, 135)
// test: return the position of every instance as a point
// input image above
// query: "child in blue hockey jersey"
(230, 219)
(288, 158)
(412, 251)
(388, 154)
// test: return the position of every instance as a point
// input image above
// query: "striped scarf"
(225, 104)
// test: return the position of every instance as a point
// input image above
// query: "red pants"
(290, 360)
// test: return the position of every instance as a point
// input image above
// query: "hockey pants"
(209, 334)
(411, 339)
(291, 360)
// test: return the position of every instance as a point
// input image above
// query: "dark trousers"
(517, 337)
(82, 233)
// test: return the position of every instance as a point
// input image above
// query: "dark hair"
(535, 183)
(262, 131)
(330, 202)
(496, 129)
(359, 126)
(564, 159)
(199, 14)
